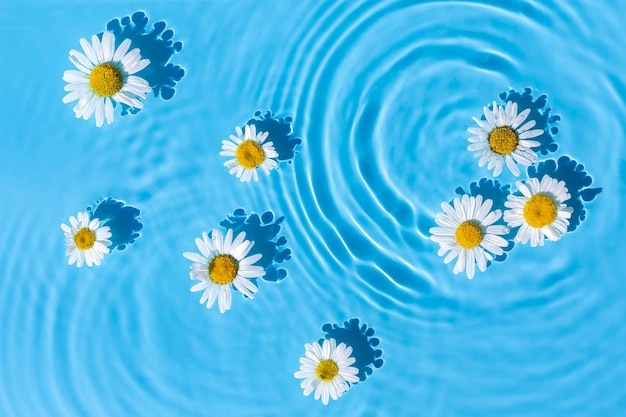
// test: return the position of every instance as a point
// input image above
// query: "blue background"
(381, 93)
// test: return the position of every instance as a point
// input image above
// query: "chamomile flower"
(104, 76)
(250, 153)
(326, 369)
(502, 138)
(539, 211)
(86, 241)
(467, 231)
(222, 263)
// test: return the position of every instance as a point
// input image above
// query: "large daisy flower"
(250, 153)
(539, 211)
(503, 138)
(105, 76)
(467, 231)
(326, 369)
(86, 241)
(223, 262)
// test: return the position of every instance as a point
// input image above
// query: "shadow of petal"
(155, 44)
(493, 190)
(539, 113)
(360, 338)
(123, 220)
(577, 181)
(263, 230)
(280, 134)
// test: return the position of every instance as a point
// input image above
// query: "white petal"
(453, 254)
(510, 163)
(97, 48)
(526, 126)
(498, 164)
(489, 116)
(76, 77)
(108, 110)
(100, 113)
(470, 264)
(228, 240)
(108, 46)
(519, 119)
(73, 96)
(531, 134)
(194, 257)
(460, 263)
(80, 61)
(89, 52)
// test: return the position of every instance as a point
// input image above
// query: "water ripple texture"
(377, 98)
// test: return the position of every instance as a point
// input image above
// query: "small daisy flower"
(250, 153)
(104, 76)
(326, 369)
(223, 262)
(502, 138)
(539, 211)
(86, 241)
(467, 231)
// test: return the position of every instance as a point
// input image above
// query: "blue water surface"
(379, 95)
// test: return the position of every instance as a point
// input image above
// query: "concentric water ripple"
(382, 94)
(385, 145)
(373, 128)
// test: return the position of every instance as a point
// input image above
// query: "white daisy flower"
(223, 263)
(326, 369)
(105, 76)
(502, 138)
(467, 231)
(539, 210)
(250, 153)
(86, 241)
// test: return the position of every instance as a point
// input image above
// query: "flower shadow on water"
(359, 337)
(280, 134)
(123, 220)
(493, 190)
(157, 46)
(263, 230)
(541, 116)
(577, 181)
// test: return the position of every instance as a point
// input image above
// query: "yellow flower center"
(250, 154)
(503, 140)
(327, 370)
(469, 234)
(106, 79)
(85, 238)
(223, 269)
(540, 210)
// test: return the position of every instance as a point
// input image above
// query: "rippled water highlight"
(381, 94)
